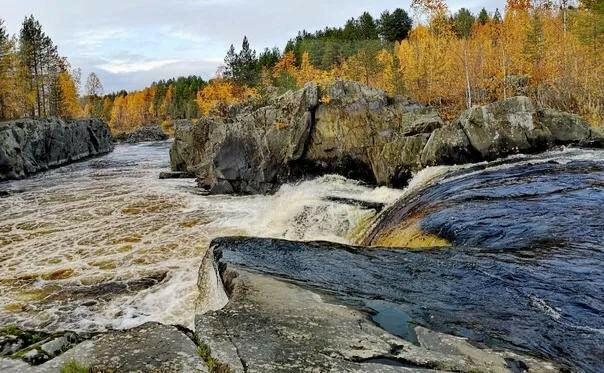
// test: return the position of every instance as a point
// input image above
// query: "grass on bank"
(72, 366)
(214, 366)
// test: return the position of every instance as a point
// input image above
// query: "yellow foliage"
(325, 100)
(452, 74)
(281, 125)
(220, 93)
(70, 106)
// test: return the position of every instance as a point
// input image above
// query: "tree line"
(550, 52)
(35, 81)
(162, 102)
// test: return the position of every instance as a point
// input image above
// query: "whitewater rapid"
(105, 244)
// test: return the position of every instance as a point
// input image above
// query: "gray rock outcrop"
(151, 347)
(362, 133)
(28, 146)
(151, 132)
(276, 325)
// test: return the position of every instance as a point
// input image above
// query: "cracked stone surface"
(151, 347)
(272, 325)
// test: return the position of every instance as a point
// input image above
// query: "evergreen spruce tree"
(231, 63)
(367, 27)
(248, 64)
(395, 26)
(463, 21)
(483, 17)
(497, 16)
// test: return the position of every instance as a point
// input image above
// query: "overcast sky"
(131, 43)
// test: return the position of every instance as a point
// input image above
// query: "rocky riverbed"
(267, 304)
(492, 266)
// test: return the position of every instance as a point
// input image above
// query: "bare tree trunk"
(468, 87)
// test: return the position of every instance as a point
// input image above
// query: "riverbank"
(29, 146)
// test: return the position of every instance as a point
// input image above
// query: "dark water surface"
(526, 271)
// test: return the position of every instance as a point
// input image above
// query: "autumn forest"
(549, 51)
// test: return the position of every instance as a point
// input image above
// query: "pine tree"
(268, 58)
(5, 65)
(3, 33)
(483, 17)
(497, 16)
(231, 62)
(463, 21)
(395, 26)
(367, 27)
(248, 64)
(42, 62)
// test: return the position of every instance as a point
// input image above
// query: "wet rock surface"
(272, 324)
(523, 301)
(175, 175)
(28, 146)
(151, 347)
(151, 132)
(360, 133)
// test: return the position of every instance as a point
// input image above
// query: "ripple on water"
(104, 243)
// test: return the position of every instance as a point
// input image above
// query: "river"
(523, 269)
(105, 244)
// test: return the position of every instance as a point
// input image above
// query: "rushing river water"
(525, 270)
(106, 244)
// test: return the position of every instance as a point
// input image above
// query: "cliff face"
(362, 133)
(28, 146)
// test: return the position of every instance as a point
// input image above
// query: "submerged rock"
(175, 175)
(272, 323)
(151, 132)
(28, 146)
(361, 133)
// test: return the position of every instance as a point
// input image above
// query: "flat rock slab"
(272, 325)
(151, 347)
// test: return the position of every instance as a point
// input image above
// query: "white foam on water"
(81, 245)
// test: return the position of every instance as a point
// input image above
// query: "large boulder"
(274, 323)
(362, 133)
(28, 146)
(503, 128)
(251, 153)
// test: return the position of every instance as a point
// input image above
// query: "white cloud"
(94, 38)
(186, 35)
(131, 43)
(125, 67)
